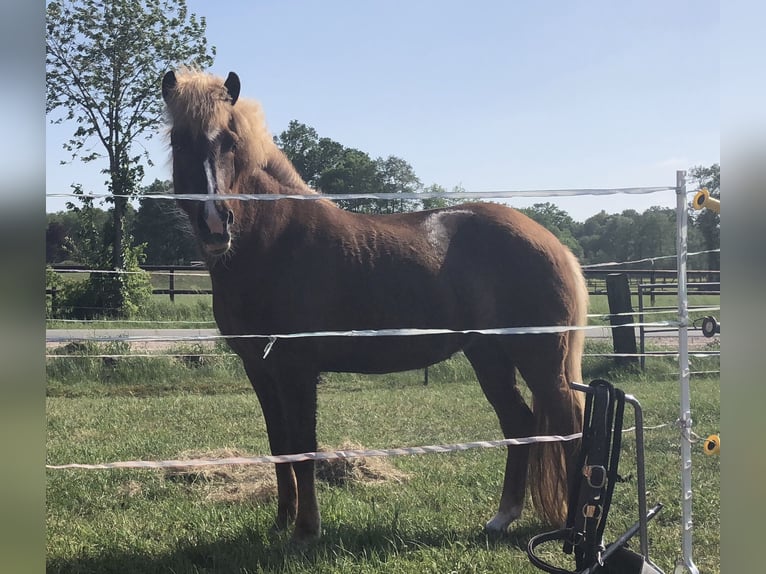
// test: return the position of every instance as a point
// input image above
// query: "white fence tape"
(550, 329)
(328, 455)
(474, 195)
(646, 260)
(338, 454)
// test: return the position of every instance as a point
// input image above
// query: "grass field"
(424, 513)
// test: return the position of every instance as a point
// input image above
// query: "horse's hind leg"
(497, 378)
(299, 388)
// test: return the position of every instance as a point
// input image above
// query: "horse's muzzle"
(216, 241)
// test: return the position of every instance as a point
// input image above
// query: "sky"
(487, 95)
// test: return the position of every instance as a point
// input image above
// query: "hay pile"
(256, 482)
(349, 471)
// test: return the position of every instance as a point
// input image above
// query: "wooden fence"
(596, 278)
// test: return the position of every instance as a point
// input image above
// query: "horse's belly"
(377, 355)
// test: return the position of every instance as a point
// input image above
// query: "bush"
(54, 282)
(112, 295)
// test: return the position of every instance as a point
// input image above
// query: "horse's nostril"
(230, 218)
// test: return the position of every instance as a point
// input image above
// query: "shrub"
(113, 295)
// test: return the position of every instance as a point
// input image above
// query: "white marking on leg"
(502, 520)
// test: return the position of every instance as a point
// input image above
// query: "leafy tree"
(354, 173)
(397, 176)
(559, 222)
(55, 239)
(439, 202)
(103, 64)
(656, 236)
(164, 228)
(335, 169)
(85, 227)
(310, 154)
(609, 237)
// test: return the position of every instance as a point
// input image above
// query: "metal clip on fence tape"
(268, 347)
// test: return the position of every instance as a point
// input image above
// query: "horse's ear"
(168, 85)
(233, 86)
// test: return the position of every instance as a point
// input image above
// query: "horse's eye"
(176, 145)
(228, 143)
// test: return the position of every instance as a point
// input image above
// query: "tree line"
(159, 230)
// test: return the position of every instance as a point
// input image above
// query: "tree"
(332, 168)
(557, 221)
(397, 176)
(439, 202)
(83, 228)
(309, 154)
(164, 228)
(609, 237)
(103, 64)
(354, 173)
(656, 236)
(55, 241)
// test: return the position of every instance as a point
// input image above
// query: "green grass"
(148, 521)
(188, 311)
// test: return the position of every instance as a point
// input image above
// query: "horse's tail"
(552, 464)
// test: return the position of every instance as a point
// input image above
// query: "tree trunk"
(118, 221)
(119, 232)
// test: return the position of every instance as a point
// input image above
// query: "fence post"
(684, 419)
(624, 338)
(172, 285)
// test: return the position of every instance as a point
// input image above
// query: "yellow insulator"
(712, 445)
(703, 200)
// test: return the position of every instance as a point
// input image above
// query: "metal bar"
(624, 538)
(640, 474)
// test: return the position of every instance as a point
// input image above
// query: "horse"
(294, 265)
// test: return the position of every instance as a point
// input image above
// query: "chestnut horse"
(297, 266)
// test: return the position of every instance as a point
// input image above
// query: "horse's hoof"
(305, 535)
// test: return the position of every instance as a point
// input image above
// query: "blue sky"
(488, 95)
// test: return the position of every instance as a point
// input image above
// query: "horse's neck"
(261, 222)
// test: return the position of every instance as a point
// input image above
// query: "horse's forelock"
(201, 104)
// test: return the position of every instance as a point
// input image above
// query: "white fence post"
(685, 420)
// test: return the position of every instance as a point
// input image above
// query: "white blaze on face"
(212, 219)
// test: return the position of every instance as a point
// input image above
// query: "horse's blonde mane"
(201, 104)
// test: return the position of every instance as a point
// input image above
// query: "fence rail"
(596, 278)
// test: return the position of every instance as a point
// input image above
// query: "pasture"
(404, 514)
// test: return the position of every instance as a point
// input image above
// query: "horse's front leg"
(279, 442)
